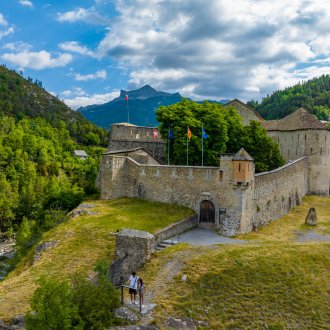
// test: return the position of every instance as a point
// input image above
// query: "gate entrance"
(207, 214)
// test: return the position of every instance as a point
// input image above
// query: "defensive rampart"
(278, 191)
(183, 185)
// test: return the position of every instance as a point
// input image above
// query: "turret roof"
(242, 155)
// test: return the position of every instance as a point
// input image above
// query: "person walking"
(133, 283)
(140, 288)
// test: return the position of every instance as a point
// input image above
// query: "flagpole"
(126, 98)
(168, 149)
(202, 148)
(187, 147)
(153, 142)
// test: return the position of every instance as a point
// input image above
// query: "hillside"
(313, 95)
(20, 97)
(272, 282)
(141, 105)
(80, 243)
(40, 179)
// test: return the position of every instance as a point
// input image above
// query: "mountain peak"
(142, 93)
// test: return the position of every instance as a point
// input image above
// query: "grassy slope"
(274, 281)
(82, 241)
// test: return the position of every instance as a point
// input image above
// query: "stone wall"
(245, 112)
(312, 143)
(278, 191)
(133, 249)
(176, 229)
(125, 132)
(157, 149)
(183, 185)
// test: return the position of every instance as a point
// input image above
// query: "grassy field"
(274, 282)
(82, 241)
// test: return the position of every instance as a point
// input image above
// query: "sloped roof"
(298, 120)
(232, 102)
(80, 153)
(123, 151)
(242, 155)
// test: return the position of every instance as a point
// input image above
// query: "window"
(220, 175)
(239, 167)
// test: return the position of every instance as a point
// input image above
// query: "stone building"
(231, 197)
(129, 136)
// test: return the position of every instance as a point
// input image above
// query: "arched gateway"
(207, 214)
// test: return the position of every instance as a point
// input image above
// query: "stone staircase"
(166, 243)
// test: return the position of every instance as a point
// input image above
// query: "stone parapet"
(176, 229)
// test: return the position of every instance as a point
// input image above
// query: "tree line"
(313, 95)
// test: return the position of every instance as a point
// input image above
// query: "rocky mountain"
(140, 107)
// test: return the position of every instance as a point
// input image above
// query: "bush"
(84, 305)
(53, 307)
(96, 302)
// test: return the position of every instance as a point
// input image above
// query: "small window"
(137, 136)
(220, 175)
(239, 167)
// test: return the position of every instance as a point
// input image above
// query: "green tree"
(96, 302)
(225, 130)
(53, 308)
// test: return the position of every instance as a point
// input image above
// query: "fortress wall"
(318, 148)
(122, 132)
(246, 113)
(312, 143)
(189, 186)
(157, 149)
(292, 143)
(278, 191)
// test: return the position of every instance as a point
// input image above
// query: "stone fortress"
(231, 197)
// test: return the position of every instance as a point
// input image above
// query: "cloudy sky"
(85, 51)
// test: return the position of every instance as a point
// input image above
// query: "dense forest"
(20, 97)
(40, 179)
(313, 95)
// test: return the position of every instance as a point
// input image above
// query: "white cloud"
(3, 20)
(241, 49)
(18, 46)
(101, 74)
(36, 60)
(75, 47)
(26, 3)
(90, 16)
(79, 98)
(7, 32)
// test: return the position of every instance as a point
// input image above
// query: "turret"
(243, 167)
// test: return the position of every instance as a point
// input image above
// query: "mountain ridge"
(140, 107)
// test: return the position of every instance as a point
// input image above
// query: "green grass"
(83, 241)
(272, 282)
(251, 287)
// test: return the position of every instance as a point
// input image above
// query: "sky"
(86, 51)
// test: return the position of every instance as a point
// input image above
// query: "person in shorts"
(133, 282)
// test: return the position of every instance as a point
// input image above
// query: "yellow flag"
(189, 134)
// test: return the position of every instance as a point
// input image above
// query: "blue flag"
(170, 134)
(204, 135)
